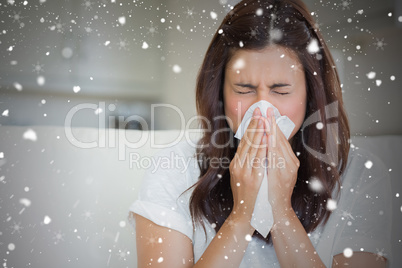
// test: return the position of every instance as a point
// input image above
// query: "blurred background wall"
(117, 59)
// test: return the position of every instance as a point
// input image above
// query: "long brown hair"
(254, 25)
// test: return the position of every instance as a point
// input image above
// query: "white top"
(361, 221)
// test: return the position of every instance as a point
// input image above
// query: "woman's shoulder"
(364, 178)
(184, 148)
(362, 215)
(174, 164)
(163, 197)
(363, 163)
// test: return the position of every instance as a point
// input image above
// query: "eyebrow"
(276, 85)
(246, 85)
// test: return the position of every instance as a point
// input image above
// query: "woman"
(265, 50)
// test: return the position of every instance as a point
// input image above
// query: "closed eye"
(243, 92)
(279, 86)
(245, 88)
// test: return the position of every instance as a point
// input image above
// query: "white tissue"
(262, 219)
(284, 123)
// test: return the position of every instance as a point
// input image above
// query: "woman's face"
(273, 74)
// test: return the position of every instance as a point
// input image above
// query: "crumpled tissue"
(262, 219)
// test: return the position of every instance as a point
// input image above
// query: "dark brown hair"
(254, 25)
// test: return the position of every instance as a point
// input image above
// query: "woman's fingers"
(246, 167)
(261, 157)
(282, 144)
(282, 169)
(252, 136)
(272, 134)
(256, 145)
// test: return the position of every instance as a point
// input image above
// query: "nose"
(264, 95)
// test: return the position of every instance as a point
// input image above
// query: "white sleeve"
(160, 197)
(365, 210)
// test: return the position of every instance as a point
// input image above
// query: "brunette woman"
(326, 204)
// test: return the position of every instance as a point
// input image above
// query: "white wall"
(99, 48)
(372, 109)
(186, 49)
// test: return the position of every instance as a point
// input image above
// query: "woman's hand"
(247, 167)
(282, 167)
(288, 234)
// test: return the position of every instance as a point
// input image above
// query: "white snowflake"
(331, 204)
(231, 223)
(152, 30)
(123, 44)
(30, 134)
(379, 44)
(371, 75)
(122, 20)
(315, 185)
(87, 215)
(16, 228)
(348, 252)
(176, 68)
(123, 254)
(253, 32)
(190, 13)
(58, 237)
(145, 45)
(38, 68)
(345, 4)
(275, 35)
(368, 163)
(347, 215)
(152, 240)
(297, 67)
(313, 46)
(17, 17)
(318, 24)
(59, 27)
(87, 5)
(380, 254)
(315, 237)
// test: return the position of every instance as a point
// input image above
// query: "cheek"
(296, 113)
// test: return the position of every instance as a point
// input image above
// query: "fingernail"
(270, 112)
(256, 111)
(269, 119)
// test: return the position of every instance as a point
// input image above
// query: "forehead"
(272, 61)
